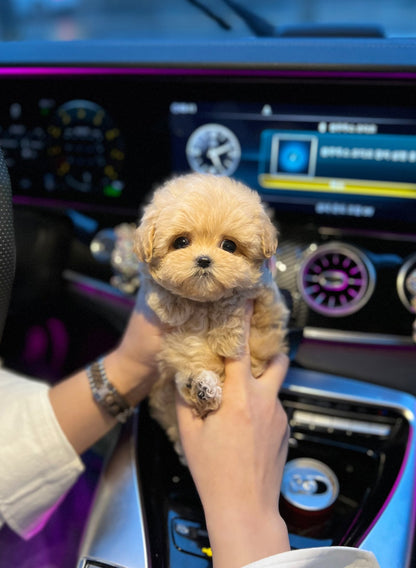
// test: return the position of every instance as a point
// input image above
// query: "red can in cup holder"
(309, 491)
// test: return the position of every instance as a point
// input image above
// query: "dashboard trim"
(338, 53)
(359, 338)
(117, 514)
(57, 70)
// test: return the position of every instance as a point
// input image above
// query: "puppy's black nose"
(203, 261)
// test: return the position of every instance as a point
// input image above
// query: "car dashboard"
(325, 131)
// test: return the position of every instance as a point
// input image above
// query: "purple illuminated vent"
(406, 283)
(336, 279)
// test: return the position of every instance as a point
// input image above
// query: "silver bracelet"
(105, 394)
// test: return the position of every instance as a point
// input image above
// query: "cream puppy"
(203, 243)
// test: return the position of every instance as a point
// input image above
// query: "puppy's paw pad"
(202, 391)
(209, 384)
(207, 392)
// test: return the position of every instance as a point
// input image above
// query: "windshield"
(68, 20)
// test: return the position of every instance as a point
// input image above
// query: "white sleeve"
(38, 465)
(326, 557)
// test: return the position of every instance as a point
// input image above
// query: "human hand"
(132, 366)
(236, 456)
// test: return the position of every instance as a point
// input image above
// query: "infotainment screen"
(356, 163)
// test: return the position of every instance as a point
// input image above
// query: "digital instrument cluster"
(62, 147)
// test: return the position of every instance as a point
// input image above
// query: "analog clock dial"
(214, 149)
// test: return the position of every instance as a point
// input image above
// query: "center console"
(148, 513)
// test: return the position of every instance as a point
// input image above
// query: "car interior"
(324, 128)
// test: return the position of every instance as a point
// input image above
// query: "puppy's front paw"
(203, 392)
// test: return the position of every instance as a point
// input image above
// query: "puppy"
(203, 243)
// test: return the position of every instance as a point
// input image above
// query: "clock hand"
(215, 159)
(221, 149)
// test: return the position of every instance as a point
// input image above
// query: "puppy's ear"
(144, 238)
(268, 238)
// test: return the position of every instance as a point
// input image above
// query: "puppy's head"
(203, 236)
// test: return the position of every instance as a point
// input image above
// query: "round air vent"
(336, 279)
(406, 283)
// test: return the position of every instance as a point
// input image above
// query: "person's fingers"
(275, 373)
(241, 366)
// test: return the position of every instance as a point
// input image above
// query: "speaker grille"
(336, 280)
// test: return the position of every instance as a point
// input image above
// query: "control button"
(191, 537)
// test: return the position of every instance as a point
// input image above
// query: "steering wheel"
(7, 245)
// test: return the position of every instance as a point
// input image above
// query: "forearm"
(130, 368)
(79, 416)
(82, 420)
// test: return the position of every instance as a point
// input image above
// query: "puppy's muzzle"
(203, 261)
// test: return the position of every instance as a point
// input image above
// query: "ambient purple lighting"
(394, 488)
(195, 71)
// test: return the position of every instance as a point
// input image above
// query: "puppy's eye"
(228, 245)
(181, 242)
